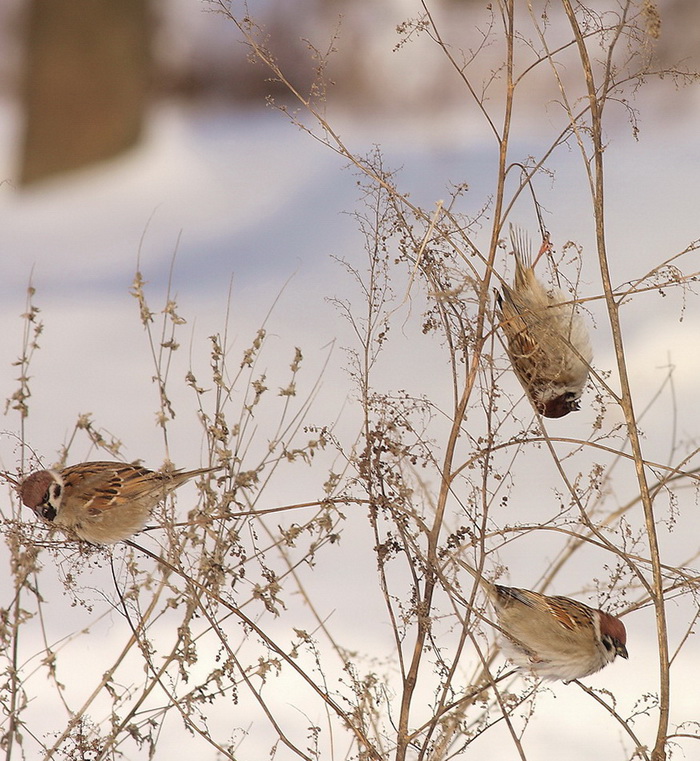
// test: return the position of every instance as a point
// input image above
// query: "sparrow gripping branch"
(554, 637)
(100, 502)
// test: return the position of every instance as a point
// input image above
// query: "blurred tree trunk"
(86, 82)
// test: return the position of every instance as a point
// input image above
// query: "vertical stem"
(32, 329)
(597, 189)
(446, 482)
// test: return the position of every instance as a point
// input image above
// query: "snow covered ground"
(244, 197)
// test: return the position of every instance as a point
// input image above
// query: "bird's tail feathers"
(522, 247)
(476, 574)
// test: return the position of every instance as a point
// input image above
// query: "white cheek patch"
(52, 501)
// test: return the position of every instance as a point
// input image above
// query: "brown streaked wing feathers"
(99, 483)
(558, 607)
(516, 327)
(569, 613)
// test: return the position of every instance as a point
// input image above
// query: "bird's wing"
(102, 485)
(569, 614)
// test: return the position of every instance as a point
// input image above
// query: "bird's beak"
(621, 650)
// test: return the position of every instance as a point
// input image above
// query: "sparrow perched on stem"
(100, 502)
(548, 343)
(554, 637)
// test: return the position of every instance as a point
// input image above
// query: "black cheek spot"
(55, 491)
(572, 402)
(48, 513)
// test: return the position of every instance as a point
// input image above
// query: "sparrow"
(554, 637)
(100, 502)
(548, 342)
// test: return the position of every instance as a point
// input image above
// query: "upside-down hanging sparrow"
(548, 342)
